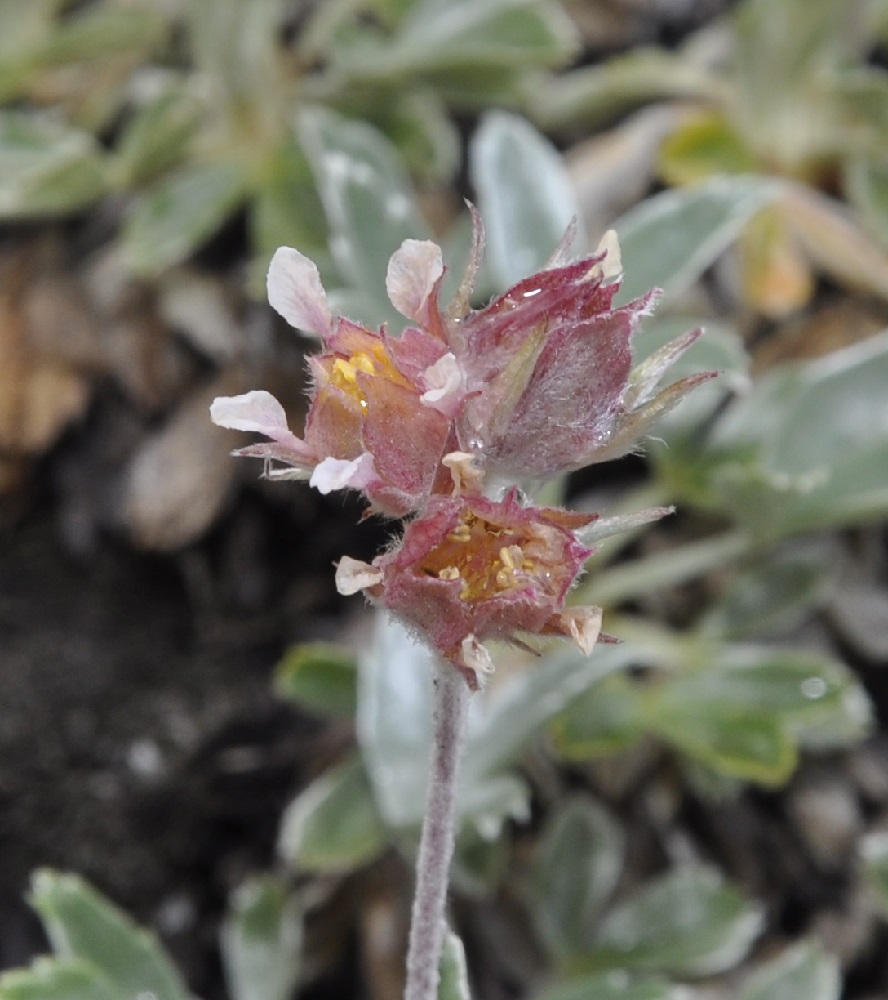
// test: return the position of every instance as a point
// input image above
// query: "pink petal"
(339, 474)
(445, 381)
(255, 411)
(296, 292)
(413, 271)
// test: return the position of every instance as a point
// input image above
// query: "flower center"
(373, 361)
(486, 557)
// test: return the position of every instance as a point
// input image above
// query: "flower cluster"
(440, 423)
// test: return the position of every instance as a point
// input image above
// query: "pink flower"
(376, 421)
(471, 569)
(428, 423)
(545, 371)
(537, 383)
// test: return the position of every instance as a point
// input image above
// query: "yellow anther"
(449, 573)
(363, 362)
(344, 369)
(461, 533)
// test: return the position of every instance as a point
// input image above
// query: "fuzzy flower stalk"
(445, 426)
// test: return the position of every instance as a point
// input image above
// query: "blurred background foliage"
(699, 811)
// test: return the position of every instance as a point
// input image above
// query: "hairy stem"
(438, 834)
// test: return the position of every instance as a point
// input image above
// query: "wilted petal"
(296, 292)
(338, 474)
(473, 661)
(583, 625)
(465, 472)
(413, 271)
(610, 269)
(353, 575)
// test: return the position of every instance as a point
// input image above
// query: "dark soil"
(140, 743)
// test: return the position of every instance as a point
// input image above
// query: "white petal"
(296, 292)
(412, 272)
(339, 473)
(445, 380)
(253, 411)
(353, 575)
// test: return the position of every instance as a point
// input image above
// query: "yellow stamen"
(473, 553)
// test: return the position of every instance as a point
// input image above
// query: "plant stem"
(438, 833)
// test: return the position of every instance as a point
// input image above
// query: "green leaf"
(262, 941)
(394, 726)
(367, 198)
(236, 45)
(286, 210)
(774, 593)
(454, 976)
(333, 825)
(874, 857)
(103, 31)
(526, 703)
(865, 181)
(670, 239)
(688, 922)
(704, 146)
(754, 747)
(746, 714)
(613, 986)
(579, 860)
(524, 195)
(173, 219)
(46, 168)
(453, 34)
(83, 925)
(158, 135)
(50, 979)
(394, 730)
(862, 92)
(319, 676)
(782, 47)
(607, 718)
(23, 27)
(479, 862)
(394, 721)
(807, 448)
(419, 125)
(802, 972)
(596, 94)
